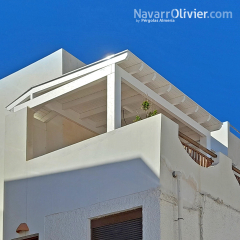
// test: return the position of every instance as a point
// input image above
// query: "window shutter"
(30, 237)
(33, 238)
(121, 226)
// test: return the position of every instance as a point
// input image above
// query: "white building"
(73, 165)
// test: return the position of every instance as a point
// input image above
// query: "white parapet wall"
(108, 166)
(234, 149)
(14, 85)
(211, 196)
(116, 171)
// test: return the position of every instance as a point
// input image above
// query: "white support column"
(113, 100)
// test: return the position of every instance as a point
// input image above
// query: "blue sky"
(199, 56)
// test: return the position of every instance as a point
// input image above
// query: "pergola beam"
(128, 109)
(65, 88)
(178, 100)
(101, 123)
(164, 89)
(161, 102)
(48, 117)
(204, 119)
(85, 99)
(69, 77)
(148, 78)
(73, 116)
(135, 68)
(93, 112)
(191, 110)
(103, 107)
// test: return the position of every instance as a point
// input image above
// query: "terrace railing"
(237, 171)
(200, 158)
(197, 156)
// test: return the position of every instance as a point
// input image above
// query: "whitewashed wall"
(113, 172)
(211, 196)
(58, 133)
(207, 219)
(108, 166)
(75, 224)
(234, 149)
(14, 85)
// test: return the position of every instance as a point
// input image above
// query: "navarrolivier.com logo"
(170, 16)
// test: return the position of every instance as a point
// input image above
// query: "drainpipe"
(178, 176)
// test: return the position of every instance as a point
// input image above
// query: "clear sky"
(199, 56)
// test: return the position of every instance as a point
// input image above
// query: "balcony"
(236, 173)
(199, 157)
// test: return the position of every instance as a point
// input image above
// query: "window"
(121, 226)
(30, 237)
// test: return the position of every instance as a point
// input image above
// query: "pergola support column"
(113, 100)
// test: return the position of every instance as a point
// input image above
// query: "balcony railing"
(237, 171)
(200, 158)
(197, 156)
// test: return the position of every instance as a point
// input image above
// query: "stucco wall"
(218, 180)
(75, 224)
(211, 196)
(107, 174)
(206, 219)
(227, 143)
(169, 224)
(58, 133)
(12, 86)
(69, 62)
(218, 147)
(108, 166)
(234, 149)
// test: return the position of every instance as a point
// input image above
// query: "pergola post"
(113, 100)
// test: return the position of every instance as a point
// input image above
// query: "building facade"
(75, 164)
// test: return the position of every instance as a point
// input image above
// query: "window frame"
(116, 218)
(29, 237)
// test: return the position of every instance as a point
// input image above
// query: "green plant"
(145, 106)
(137, 118)
(153, 113)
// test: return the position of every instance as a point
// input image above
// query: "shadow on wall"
(30, 200)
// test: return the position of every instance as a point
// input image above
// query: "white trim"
(65, 88)
(72, 76)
